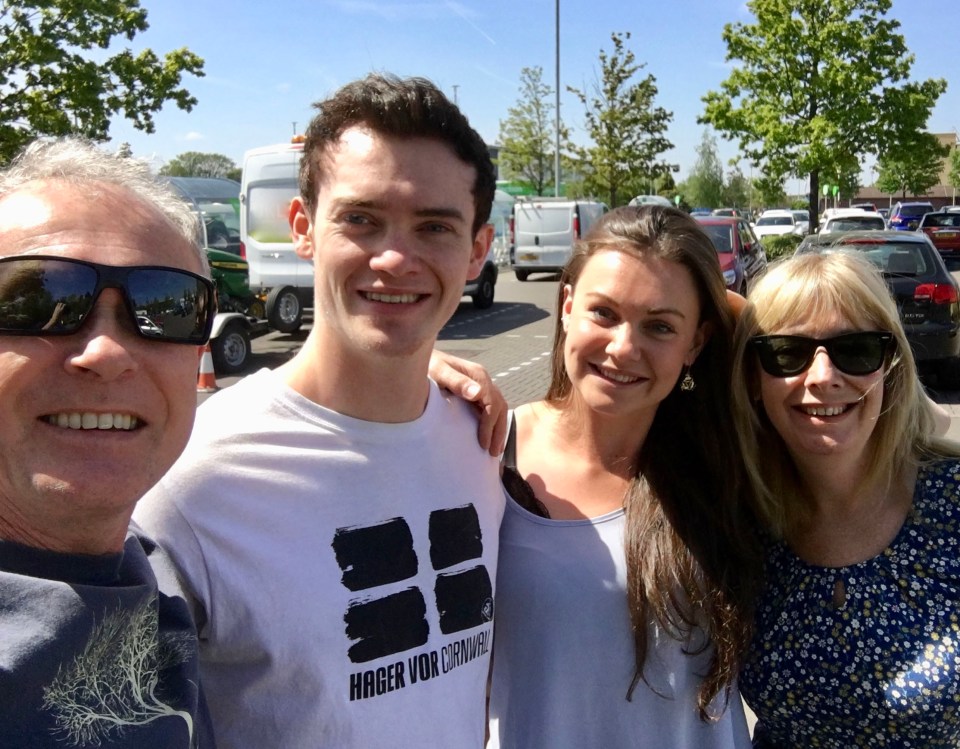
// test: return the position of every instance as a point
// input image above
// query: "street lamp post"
(556, 145)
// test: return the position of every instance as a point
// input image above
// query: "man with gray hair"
(105, 305)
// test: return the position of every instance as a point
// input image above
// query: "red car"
(943, 228)
(740, 253)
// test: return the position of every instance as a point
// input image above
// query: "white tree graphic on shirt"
(112, 684)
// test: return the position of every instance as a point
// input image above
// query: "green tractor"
(239, 312)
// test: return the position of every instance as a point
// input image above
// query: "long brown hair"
(692, 556)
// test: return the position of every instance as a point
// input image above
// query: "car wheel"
(483, 299)
(948, 374)
(522, 274)
(231, 349)
(284, 311)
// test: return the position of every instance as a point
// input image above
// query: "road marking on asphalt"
(476, 318)
(521, 365)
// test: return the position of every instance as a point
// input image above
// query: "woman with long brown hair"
(627, 561)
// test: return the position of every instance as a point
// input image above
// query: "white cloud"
(193, 135)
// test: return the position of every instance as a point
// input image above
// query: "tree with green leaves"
(736, 188)
(954, 174)
(626, 129)
(198, 164)
(818, 82)
(769, 190)
(912, 168)
(704, 186)
(528, 135)
(56, 79)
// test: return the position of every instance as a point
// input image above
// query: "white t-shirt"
(345, 568)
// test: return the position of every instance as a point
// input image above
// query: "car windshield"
(915, 210)
(775, 221)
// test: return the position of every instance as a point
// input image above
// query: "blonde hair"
(815, 286)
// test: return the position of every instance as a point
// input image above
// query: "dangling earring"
(687, 384)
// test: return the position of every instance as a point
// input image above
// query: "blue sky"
(266, 62)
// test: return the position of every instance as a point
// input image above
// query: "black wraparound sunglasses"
(860, 353)
(43, 295)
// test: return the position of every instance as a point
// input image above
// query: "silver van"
(545, 229)
(277, 273)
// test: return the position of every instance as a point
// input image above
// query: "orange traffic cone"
(207, 380)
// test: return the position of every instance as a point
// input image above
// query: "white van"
(277, 273)
(545, 229)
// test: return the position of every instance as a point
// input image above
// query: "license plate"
(529, 256)
(946, 235)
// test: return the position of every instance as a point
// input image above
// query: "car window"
(268, 206)
(852, 223)
(775, 221)
(896, 258)
(915, 210)
(721, 236)
(941, 219)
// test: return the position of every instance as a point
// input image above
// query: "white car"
(803, 222)
(851, 219)
(772, 223)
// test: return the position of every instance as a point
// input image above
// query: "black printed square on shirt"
(455, 536)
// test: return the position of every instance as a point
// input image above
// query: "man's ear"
(478, 253)
(300, 228)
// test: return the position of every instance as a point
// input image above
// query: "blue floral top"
(865, 655)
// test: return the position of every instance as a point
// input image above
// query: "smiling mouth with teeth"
(824, 410)
(611, 374)
(88, 420)
(391, 298)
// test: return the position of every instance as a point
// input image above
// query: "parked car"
(774, 222)
(885, 212)
(728, 212)
(853, 219)
(740, 253)
(906, 216)
(925, 291)
(802, 219)
(217, 202)
(481, 289)
(651, 200)
(943, 229)
(865, 206)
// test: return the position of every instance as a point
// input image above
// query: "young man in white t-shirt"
(336, 519)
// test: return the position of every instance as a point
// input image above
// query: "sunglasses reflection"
(55, 295)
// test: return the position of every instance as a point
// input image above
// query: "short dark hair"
(403, 108)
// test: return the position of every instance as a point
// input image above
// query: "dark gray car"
(926, 294)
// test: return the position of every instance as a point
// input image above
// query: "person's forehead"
(360, 142)
(96, 221)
